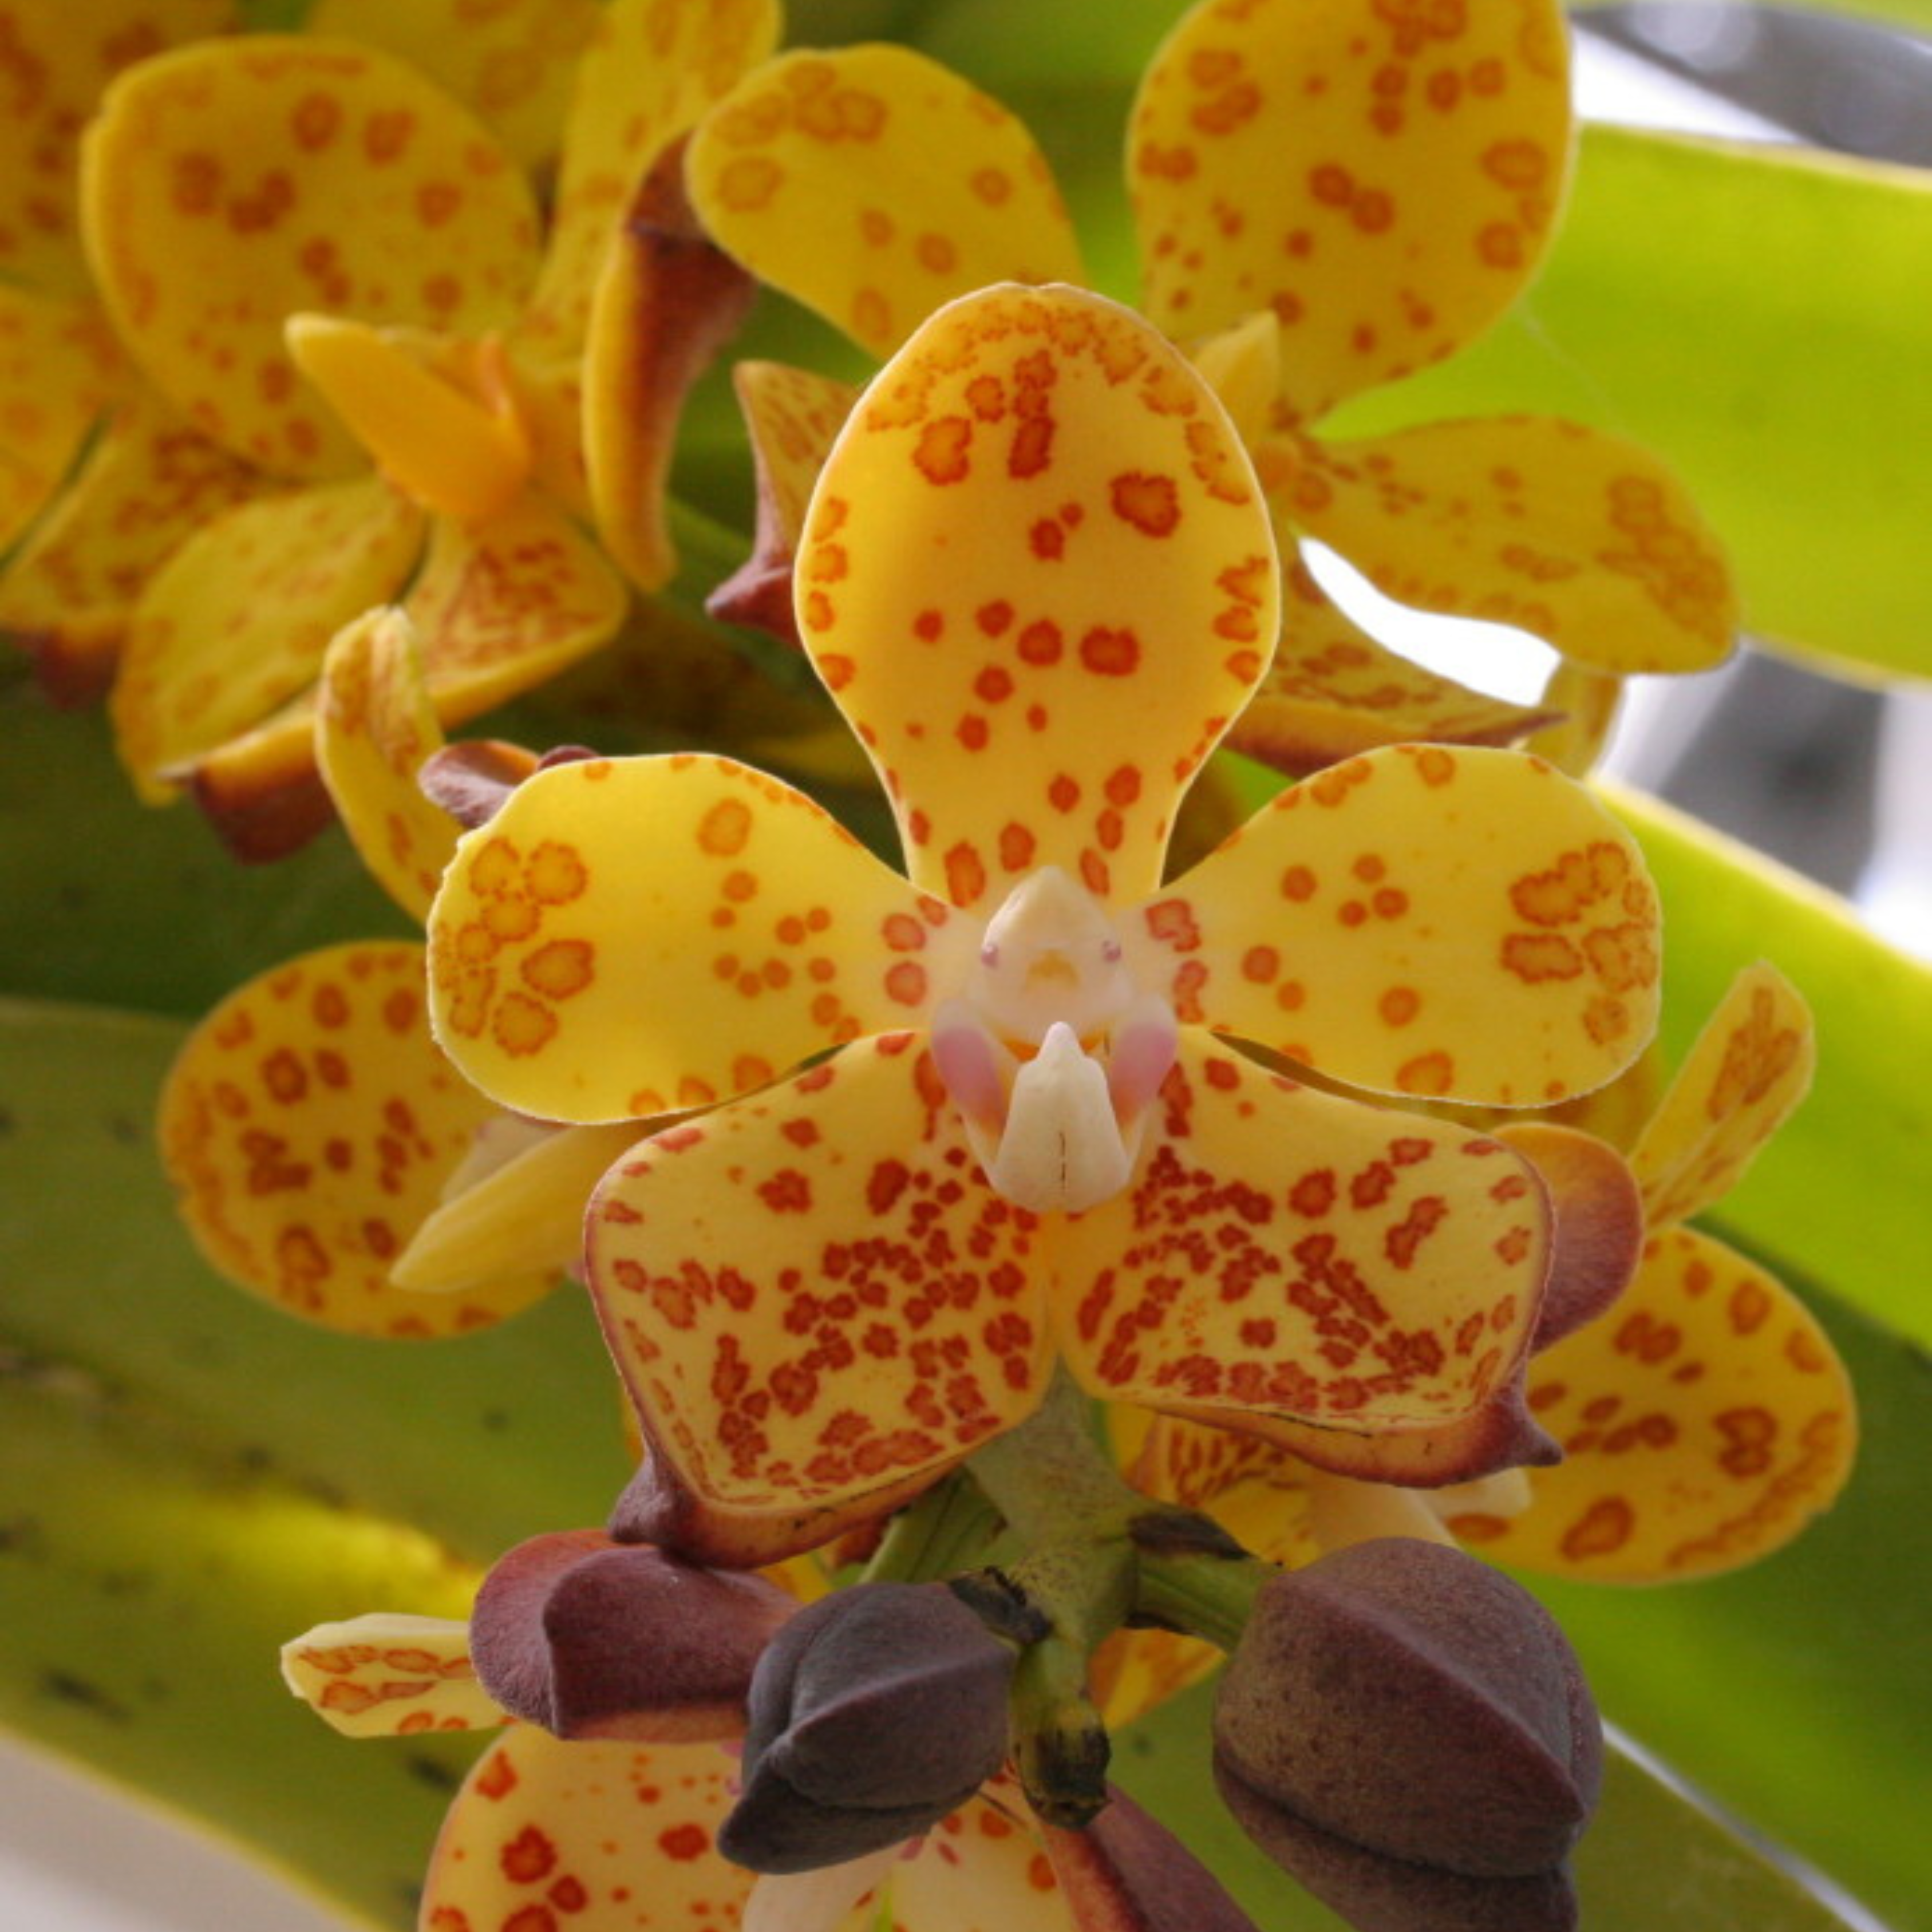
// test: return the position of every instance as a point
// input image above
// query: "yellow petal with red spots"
(57, 59)
(873, 185)
(148, 483)
(980, 1869)
(1384, 177)
(1284, 1253)
(228, 187)
(1461, 924)
(1333, 692)
(308, 1125)
(1587, 701)
(1704, 1420)
(633, 936)
(389, 1675)
(1038, 578)
(525, 1214)
(503, 604)
(510, 62)
(237, 621)
(374, 729)
(654, 67)
(600, 1837)
(793, 417)
(1750, 1067)
(813, 1299)
(59, 368)
(1581, 538)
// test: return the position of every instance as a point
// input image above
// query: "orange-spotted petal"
(1384, 177)
(228, 186)
(1283, 1253)
(389, 1675)
(600, 1838)
(374, 727)
(308, 1125)
(793, 416)
(1038, 578)
(57, 61)
(1704, 1422)
(58, 369)
(873, 185)
(652, 69)
(236, 622)
(146, 485)
(1750, 1067)
(510, 62)
(817, 1304)
(629, 937)
(1459, 923)
(1333, 692)
(981, 1868)
(1579, 537)
(1585, 702)
(666, 301)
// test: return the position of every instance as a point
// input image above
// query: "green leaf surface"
(1840, 1195)
(1758, 317)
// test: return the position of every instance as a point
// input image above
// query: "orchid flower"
(339, 275)
(1326, 199)
(324, 1154)
(1039, 581)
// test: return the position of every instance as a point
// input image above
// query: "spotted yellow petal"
(1587, 701)
(1579, 537)
(627, 936)
(308, 1125)
(1384, 177)
(510, 62)
(599, 1838)
(237, 621)
(56, 59)
(1704, 1422)
(58, 369)
(1467, 924)
(666, 301)
(1039, 580)
(147, 485)
(389, 1675)
(230, 185)
(980, 1869)
(1284, 1253)
(653, 67)
(374, 727)
(873, 185)
(1333, 692)
(793, 416)
(815, 1302)
(1750, 1067)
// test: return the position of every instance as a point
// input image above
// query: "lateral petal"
(816, 1304)
(636, 936)
(873, 185)
(308, 1125)
(1704, 1422)
(59, 369)
(1283, 1253)
(389, 1675)
(1385, 178)
(229, 185)
(1464, 923)
(1038, 579)
(1579, 537)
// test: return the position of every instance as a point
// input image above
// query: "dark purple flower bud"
(874, 1712)
(591, 1639)
(1401, 1702)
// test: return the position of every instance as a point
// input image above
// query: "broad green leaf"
(1653, 1861)
(1757, 317)
(1839, 1194)
(477, 1442)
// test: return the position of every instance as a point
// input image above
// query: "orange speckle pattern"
(389, 1676)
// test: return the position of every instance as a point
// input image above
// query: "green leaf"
(1839, 1195)
(1797, 1692)
(1758, 318)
